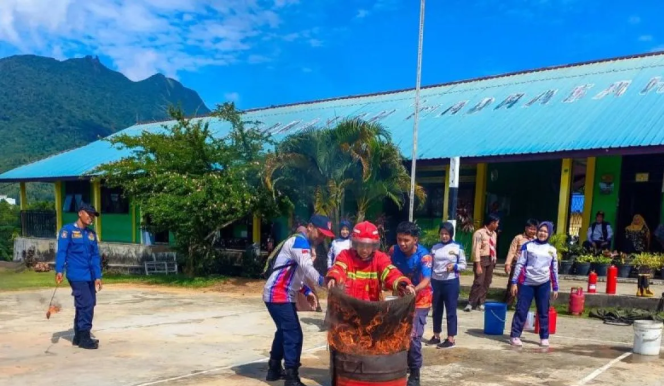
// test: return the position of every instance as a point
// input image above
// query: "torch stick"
(50, 304)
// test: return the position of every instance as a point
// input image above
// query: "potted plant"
(600, 264)
(559, 241)
(567, 264)
(647, 263)
(582, 264)
(624, 264)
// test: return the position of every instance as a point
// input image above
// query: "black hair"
(491, 218)
(448, 227)
(531, 222)
(408, 228)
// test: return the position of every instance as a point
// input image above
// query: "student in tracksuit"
(536, 274)
(448, 260)
(78, 254)
(414, 261)
(292, 268)
(341, 243)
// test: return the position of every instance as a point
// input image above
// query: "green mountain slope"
(47, 106)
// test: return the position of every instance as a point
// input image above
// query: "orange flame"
(349, 334)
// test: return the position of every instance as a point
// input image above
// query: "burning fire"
(387, 330)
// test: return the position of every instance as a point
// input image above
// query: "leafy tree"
(9, 228)
(194, 184)
(326, 164)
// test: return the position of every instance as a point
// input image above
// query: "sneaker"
(433, 341)
(446, 344)
(544, 343)
(516, 342)
(468, 308)
(482, 307)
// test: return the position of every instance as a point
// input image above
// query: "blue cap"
(88, 208)
(323, 224)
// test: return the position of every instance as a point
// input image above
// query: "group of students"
(356, 262)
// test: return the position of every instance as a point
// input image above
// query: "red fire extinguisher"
(611, 280)
(576, 301)
(592, 283)
(553, 321)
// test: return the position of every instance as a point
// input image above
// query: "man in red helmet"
(364, 270)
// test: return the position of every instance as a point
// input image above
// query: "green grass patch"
(10, 281)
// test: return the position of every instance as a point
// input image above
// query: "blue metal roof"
(610, 104)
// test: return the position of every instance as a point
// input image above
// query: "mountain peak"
(49, 106)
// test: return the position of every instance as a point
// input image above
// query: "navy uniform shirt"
(78, 254)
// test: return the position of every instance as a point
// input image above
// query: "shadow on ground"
(257, 371)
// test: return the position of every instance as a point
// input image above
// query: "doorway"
(640, 193)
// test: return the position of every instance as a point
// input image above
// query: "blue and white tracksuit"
(339, 245)
(280, 296)
(446, 284)
(536, 273)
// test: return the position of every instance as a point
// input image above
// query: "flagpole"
(417, 114)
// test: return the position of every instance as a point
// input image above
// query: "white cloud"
(256, 59)
(232, 96)
(142, 37)
(645, 38)
(362, 13)
(634, 20)
(315, 43)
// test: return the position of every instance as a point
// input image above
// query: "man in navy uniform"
(78, 254)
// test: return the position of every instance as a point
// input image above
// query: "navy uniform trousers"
(85, 300)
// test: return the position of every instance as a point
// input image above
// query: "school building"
(556, 143)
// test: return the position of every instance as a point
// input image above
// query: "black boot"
(293, 378)
(86, 342)
(77, 337)
(414, 378)
(274, 371)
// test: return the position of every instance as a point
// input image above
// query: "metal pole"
(417, 113)
(455, 163)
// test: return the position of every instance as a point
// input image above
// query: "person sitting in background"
(341, 243)
(599, 235)
(637, 235)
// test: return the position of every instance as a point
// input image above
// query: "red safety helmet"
(366, 233)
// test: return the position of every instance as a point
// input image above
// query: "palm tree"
(324, 164)
(388, 178)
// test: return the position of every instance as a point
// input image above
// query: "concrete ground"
(158, 336)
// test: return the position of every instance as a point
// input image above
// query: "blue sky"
(268, 52)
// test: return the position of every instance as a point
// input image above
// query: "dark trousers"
(415, 350)
(509, 299)
(541, 293)
(287, 343)
(85, 300)
(445, 298)
(601, 245)
(482, 282)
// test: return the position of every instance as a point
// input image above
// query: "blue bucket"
(495, 315)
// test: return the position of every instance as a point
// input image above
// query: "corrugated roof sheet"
(600, 105)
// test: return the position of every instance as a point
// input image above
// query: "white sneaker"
(482, 307)
(516, 342)
(468, 308)
(544, 343)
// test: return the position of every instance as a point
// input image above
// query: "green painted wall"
(532, 188)
(606, 168)
(116, 228)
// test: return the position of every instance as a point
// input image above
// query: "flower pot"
(624, 270)
(566, 267)
(582, 269)
(601, 269)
